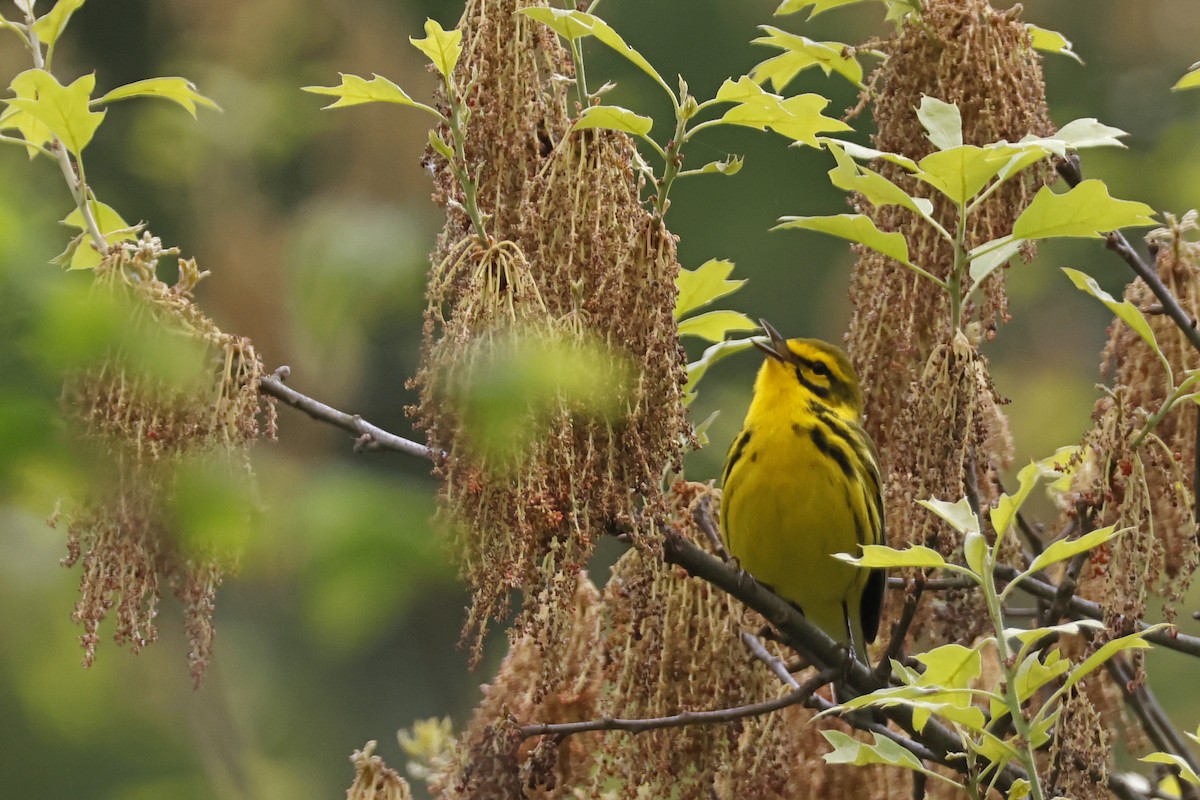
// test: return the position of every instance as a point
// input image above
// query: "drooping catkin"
(169, 413)
(576, 267)
(930, 404)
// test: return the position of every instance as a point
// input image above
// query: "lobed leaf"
(1126, 311)
(958, 514)
(1133, 641)
(950, 666)
(798, 117)
(1049, 41)
(114, 229)
(613, 118)
(942, 122)
(62, 109)
(714, 325)
(1170, 759)
(801, 53)
(1063, 549)
(882, 556)
(354, 91)
(51, 25)
(701, 286)
(1085, 211)
(848, 750)
(961, 172)
(990, 256)
(32, 129)
(442, 47)
(878, 190)
(819, 6)
(1007, 506)
(711, 355)
(727, 166)
(178, 90)
(855, 227)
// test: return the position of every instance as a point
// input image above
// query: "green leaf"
(573, 25)
(1027, 636)
(819, 6)
(613, 118)
(1085, 211)
(848, 750)
(1034, 673)
(975, 549)
(984, 264)
(711, 355)
(178, 90)
(958, 514)
(62, 109)
(1007, 506)
(1020, 789)
(354, 91)
(878, 190)
(950, 666)
(862, 153)
(701, 430)
(798, 117)
(728, 166)
(442, 47)
(713, 325)
(961, 172)
(1172, 760)
(50, 26)
(701, 286)
(440, 145)
(855, 227)
(1130, 314)
(32, 129)
(1049, 41)
(941, 121)
(1066, 548)
(801, 53)
(878, 555)
(1134, 641)
(1190, 80)
(112, 227)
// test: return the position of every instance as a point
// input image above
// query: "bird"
(802, 482)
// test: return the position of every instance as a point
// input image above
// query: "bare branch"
(773, 662)
(368, 436)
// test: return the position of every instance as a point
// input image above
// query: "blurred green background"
(342, 625)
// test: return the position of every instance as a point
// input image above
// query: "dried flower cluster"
(595, 285)
(1140, 478)
(375, 780)
(930, 404)
(169, 412)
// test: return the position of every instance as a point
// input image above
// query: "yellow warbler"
(801, 483)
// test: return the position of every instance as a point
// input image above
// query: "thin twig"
(370, 437)
(703, 515)
(933, 584)
(773, 662)
(794, 697)
(895, 649)
(1154, 719)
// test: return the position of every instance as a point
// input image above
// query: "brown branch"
(794, 697)
(370, 437)
(933, 584)
(773, 662)
(908, 613)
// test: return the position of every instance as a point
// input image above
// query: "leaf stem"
(458, 165)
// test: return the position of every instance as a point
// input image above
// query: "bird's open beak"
(777, 348)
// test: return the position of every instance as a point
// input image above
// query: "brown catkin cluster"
(930, 404)
(1146, 487)
(375, 780)
(574, 260)
(149, 426)
(1080, 756)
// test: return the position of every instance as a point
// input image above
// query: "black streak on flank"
(735, 456)
(819, 440)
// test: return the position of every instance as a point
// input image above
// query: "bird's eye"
(821, 368)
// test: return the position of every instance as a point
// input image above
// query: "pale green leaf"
(878, 190)
(958, 514)
(1008, 505)
(1190, 80)
(178, 90)
(961, 172)
(855, 227)
(1019, 789)
(801, 53)
(1049, 41)
(62, 109)
(1134, 641)
(998, 253)
(798, 117)
(1130, 314)
(701, 286)
(354, 91)
(1066, 548)
(1086, 132)
(701, 430)
(819, 6)
(573, 25)
(711, 355)
(1085, 211)
(941, 121)
(950, 666)
(32, 129)
(613, 118)
(878, 555)
(864, 153)
(440, 46)
(727, 166)
(1172, 760)
(440, 145)
(1034, 672)
(714, 325)
(975, 550)
(112, 227)
(848, 750)
(1027, 636)
(49, 27)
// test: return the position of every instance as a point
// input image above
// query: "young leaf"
(855, 227)
(798, 117)
(950, 666)
(701, 286)
(958, 514)
(62, 109)
(178, 90)
(112, 227)
(975, 549)
(801, 53)
(988, 257)
(1134, 641)
(711, 355)
(701, 431)
(441, 46)
(941, 121)
(819, 6)
(1130, 314)
(961, 172)
(613, 118)
(50, 26)
(1027, 636)
(864, 153)
(573, 25)
(877, 555)
(1085, 211)
(1007, 506)
(715, 324)
(1065, 548)
(1049, 41)
(1172, 760)
(848, 750)
(728, 166)
(32, 129)
(1190, 80)
(1034, 673)
(878, 190)
(355, 91)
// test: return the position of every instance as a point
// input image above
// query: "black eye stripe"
(818, 368)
